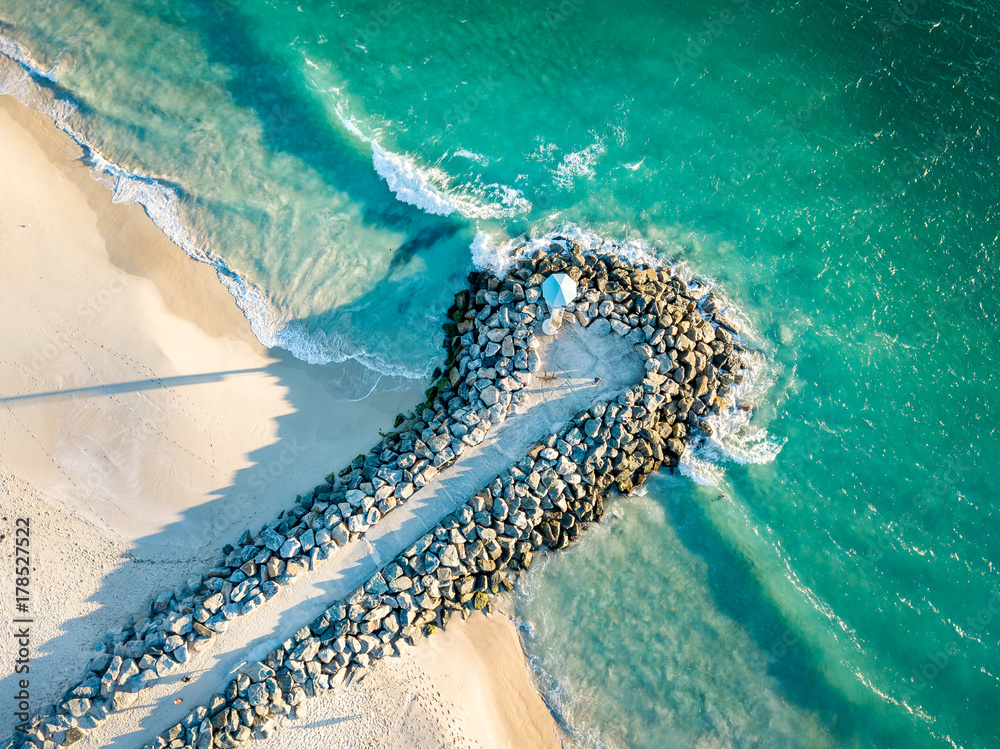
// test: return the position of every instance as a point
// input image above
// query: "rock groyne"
(692, 361)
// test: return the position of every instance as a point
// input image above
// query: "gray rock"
(500, 509)
(431, 563)
(205, 738)
(449, 556)
(162, 602)
(128, 670)
(90, 687)
(339, 534)
(355, 497)
(275, 567)
(534, 361)
(620, 328)
(251, 603)
(181, 654)
(164, 665)
(122, 699)
(308, 540)
(490, 395)
(78, 707)
(290, 548)
(565, 466)
(438, 443)
(257, 695)
(272, 540)
(240, 591)
(400, 583)
(231, 610)
(140, 681)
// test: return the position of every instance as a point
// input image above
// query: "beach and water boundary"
(126, 288)
(846, 237)
(679, 361)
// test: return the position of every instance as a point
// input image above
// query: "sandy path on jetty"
(573, 360)
(132, 482)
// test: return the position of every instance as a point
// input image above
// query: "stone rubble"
(692, 361)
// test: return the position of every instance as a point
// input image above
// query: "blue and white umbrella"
(558, 290)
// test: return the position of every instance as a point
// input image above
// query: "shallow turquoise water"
(831, 166)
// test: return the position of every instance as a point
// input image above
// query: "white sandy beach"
(143, 427)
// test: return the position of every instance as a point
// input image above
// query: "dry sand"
(142, 427)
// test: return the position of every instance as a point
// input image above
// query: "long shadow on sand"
(304, 451)
(135, 386)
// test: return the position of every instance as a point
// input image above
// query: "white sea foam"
(499, 254)
(488, 254)
(20, 55)
(578, 164)
(410, 183)
(734, 437)
(470, 155)
(429, 187)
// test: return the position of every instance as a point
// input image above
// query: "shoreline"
(153, 460)
(570, 442)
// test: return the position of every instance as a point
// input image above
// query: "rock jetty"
(692, 363)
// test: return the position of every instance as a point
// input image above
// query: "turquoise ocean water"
(827, 575)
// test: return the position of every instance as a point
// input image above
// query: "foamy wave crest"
(410, 183)
(488, 254)
(20, 55)
(271, 325)
(429, 188)
(18, 73)
(492, 201)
